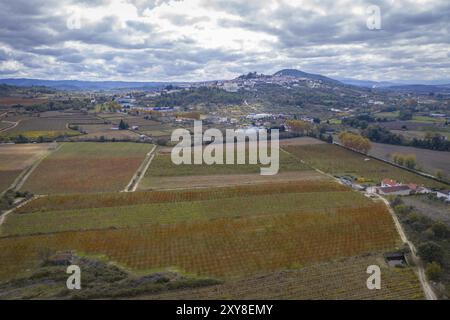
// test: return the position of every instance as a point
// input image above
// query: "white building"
(443, 194)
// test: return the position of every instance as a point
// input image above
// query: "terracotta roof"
(389, 182)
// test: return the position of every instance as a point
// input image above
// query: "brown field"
(15, 158)
(10, 101)
(96, 131)
(430, 160)
(87, 167)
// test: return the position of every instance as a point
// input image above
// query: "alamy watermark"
(74, 280)
(373, 21)
(374, 280)
(237, 144)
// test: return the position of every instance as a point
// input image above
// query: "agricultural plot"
(161, 208)
(15, 158)
(107, 131)
(339, 161)
(163, 173)
(341, 279)
(12, 101)
(430, 160)
(223, 247)
(87, 167)
(35, 127)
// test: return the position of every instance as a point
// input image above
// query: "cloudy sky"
(160, 40)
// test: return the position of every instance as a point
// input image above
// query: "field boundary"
(140, 172)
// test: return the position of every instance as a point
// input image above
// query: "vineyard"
(163, 172)
(222, 247)
(342, 279)
(87, 167)
(308, 238)
(339, 161)
(180, 212)
(86, 201)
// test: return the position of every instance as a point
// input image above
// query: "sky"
(197, 40)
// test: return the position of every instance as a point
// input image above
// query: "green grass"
(162, 166)
(339, 161)
(178, 212)
(427, 119)
(389, 115)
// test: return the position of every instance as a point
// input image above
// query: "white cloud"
(212, 39)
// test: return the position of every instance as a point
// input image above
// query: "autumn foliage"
(355, 141)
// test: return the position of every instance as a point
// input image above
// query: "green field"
(178, 212)
(162, 166)
(339, 161)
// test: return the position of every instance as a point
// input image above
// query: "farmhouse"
(389, 183)
(401, 190)
(443, 194)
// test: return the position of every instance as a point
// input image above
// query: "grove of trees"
(355, 141)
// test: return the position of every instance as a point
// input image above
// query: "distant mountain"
(401, 85)
(421, 88)
(301, 74)
(368, 83)
(83, 85)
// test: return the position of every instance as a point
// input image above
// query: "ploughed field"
(84, 167)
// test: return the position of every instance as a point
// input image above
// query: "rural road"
(14, 124)
(140, 172)
(6, 213)
(429, 293)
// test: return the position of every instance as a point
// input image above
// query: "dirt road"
(429, 293)
(140, 172)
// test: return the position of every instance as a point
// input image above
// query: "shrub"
(433, 271)
(431, 251)
(440, 230)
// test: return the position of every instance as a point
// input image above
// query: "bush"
(433, 271)
(440, 230)
(431, 251)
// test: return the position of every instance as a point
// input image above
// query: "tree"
(123, 125)
(440, 230)
(433, 271)
(355, 141)
(431, 251)
(300, 126)
(410, 161)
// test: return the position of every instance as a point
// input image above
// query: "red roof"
(389, 182)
